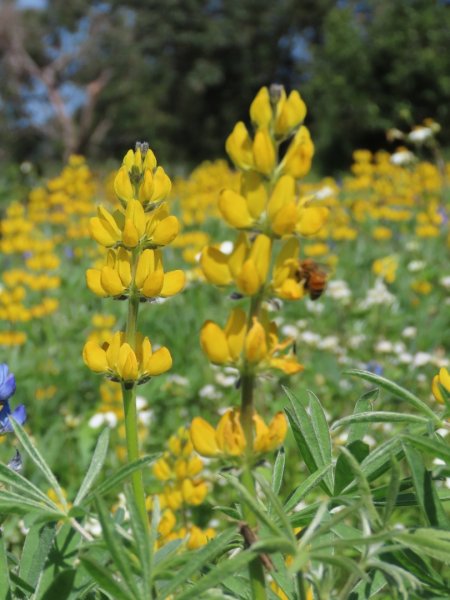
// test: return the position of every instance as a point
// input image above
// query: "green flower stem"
(129, 403)
(256, 571)
(129, 406)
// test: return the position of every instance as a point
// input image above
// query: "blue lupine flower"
(375, 367)
(19, 414)
(7, 384)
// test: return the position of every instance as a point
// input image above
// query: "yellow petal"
(277, 431)
(260, 108)
(264, 152)
(153, 284)
(135, 213)
(112, 352)
(159, 362)
(444, 378)
(229, 434)
(233, 208)
(298, 158)
(203, 437)
(161, 185)
(214, 343)
(261, 253)
(93, 283)
(95, 357)
(255, 343)
(254, 190)
(174, 282)
(284, 221)
(214, 265)
(166, 231)
(149, 160)
(130, 236)
(146, 187)
(127, 366)
(194, 493)
(110, 282)
(235, 331)
(122, 185)
(248, 281)
(161, 470)
(287, 364)
(128, 160)
(283, 194)
(143, 268)
(291, 115)
(311, 219)
(124, 267)
(260, 435)
(239, 147)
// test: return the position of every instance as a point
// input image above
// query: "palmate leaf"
(12, 503)
(61, 586)
(434, 447)
(311, 434)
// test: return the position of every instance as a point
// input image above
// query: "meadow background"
(82, 81)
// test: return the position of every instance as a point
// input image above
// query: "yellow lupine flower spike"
(228, 439)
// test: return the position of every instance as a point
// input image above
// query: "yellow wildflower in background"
(441, 380)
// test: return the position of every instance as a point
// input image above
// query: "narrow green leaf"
(115, 547)
(366, 590)
(156, 518)
(343, 475)
(271, 544)
(38, 544)
(379, 461)
(304, 488)
(142, 539)
(106, 580)
(254, 504)
(278, 470)
(98, 459)
(38, 460)
(433, 446)
(392, 492)
(321, 430)
(426, 493)
(397, 391)
(61, 586)
(307, 439)
(206, 554)
(277, 508)
(380, 416)
(23, 486)
(218, 573)
(117, 478)
(233, 513)
(432, 542)
(363, 485)
(5, 584)
(364, 403)
(13, 503)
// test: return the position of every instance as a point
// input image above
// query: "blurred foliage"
(181, 72)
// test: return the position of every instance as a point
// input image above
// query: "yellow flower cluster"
(134, 267)
(267, 207)
(228, 439)
(180, 472)
(37, 237)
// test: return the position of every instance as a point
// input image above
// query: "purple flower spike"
(19, 414)
(7, 384)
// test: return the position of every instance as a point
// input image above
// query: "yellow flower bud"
(264, 152)
(239, 147)
(260, 109)
(123, 186)
(443, 379)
